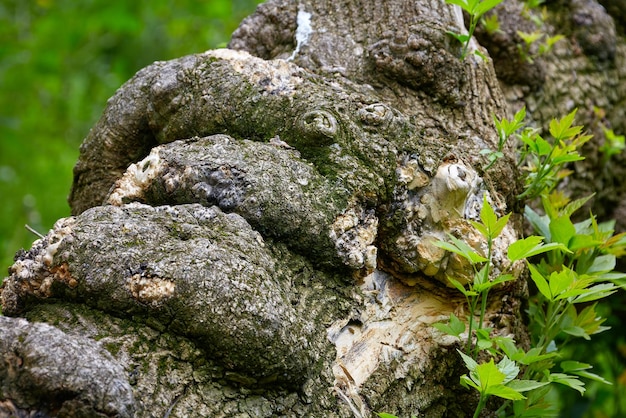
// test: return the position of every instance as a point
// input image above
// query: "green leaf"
(462, 3)
(505, 392)
(385, 415)
(461, 248)
(589, 321)
(574, 366)
(530, 246)
(533, 356)
(530, 38)
(491, 226)
(541, 224)
(560, 281)
(602, 264)
(526, 385)
(575, 331)
(491, 24)
(580, 369)
(470, 363)
(542, 147)
(499, 226)
(507, 128)
(567, 158)
(567, 380)
(596, 292)
(481, 280)
(580, 241)
(507, 345)
(484, 341)
(562, 230)
(540, 282)
(490, 219)
(573, 206)
(484, 6)
(482, 228)
(466, 382)
(489, 375)
(483, 57)
(562, 128)
(509, 368)
(455, 326)
(462, 38)
(593, 376)
(553, 39)
(503, 278)
(460, 287)
(529, 138)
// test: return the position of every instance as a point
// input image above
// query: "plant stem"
(481, 404)
(472, 305)
(473, 22)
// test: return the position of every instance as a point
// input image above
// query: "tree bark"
(254, 228)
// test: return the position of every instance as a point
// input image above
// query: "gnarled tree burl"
(254, 227)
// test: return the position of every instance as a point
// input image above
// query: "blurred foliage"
(60, 60)
(607, 353)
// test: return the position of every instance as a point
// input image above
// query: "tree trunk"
(254, 228)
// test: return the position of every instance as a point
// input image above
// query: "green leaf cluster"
(544, 161)
(476, 9)
(571, 265)
(491, 378)
(505, 130)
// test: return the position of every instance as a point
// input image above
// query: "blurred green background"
(60, 60)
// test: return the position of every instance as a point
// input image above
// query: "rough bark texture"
(254, 228)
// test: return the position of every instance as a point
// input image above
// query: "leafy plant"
(500, 380)
(543, 42)
(505, 130)
(533, 4)
(491, 23)
(571, 265)
(536, 43)
(476, 9)
(544, 161)
(490, 378)
(613, 144)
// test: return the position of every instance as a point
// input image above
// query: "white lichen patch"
(35, 273)
(61, 231)
(433, 209)
(303, 32)
(276, 77)
(411, 175)
(136, 179)
(430, 255)
(353, 233)
(150, 290)
(450, 188)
